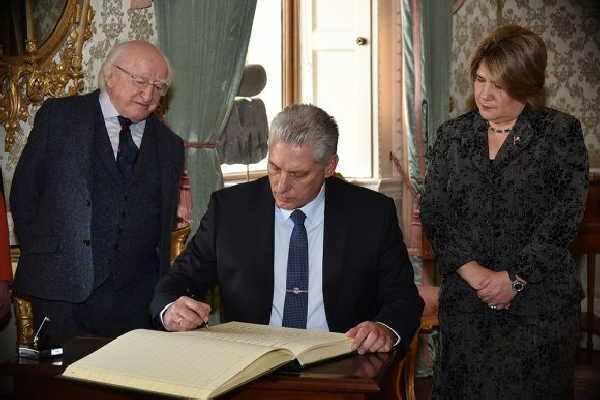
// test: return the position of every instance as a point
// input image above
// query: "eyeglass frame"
(162, 87)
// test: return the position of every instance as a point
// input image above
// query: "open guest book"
(205, 362)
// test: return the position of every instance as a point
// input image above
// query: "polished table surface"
(370, 376)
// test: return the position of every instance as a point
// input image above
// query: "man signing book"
(299, 248)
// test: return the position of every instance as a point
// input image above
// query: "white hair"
(117, 50)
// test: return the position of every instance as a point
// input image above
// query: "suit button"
(86, 242)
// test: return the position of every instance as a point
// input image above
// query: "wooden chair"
(405, 373)
(179, 238)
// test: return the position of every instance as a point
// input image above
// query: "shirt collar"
(108, 109)
(310, 209)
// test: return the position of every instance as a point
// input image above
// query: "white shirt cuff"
(162, 321)
(395, 333)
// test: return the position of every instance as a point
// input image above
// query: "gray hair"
(117, 50)
(301, 124)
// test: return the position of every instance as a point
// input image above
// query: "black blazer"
(518, 213)
(366, 271)
(51, 199)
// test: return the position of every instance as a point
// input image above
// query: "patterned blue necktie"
(128, 151)
(295, 309)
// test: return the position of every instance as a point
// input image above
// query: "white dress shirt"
(113, 127)
(314, 224)
(315, 215)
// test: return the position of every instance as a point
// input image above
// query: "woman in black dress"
(504, 193)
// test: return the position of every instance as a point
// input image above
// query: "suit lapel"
(336, 226)
(147, 145)
(263, 248)
(83, 127)
(519, 139)
(169, 182)
(104, 148)
(478, 144)
(165, 154)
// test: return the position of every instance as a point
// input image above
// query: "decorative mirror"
(31, 33)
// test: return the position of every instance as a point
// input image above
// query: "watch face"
(518, 285)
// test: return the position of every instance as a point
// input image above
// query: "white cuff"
(162, 321)
(395, 333)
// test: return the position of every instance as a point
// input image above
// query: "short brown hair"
(517, 58)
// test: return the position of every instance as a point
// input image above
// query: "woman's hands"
(493, 287)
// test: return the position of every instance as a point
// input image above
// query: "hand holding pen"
(186, 313)
(193, 296)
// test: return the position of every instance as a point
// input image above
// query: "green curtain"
(206, 42)
(427, 41)
(437, 35)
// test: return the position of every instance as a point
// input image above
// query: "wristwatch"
(518, 285)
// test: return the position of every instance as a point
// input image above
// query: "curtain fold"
(206, 42)
(427, 42)
(437, 36)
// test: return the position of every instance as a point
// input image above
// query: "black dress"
(518, 213)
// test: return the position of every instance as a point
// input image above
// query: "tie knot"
(124, 121)
(298, 217)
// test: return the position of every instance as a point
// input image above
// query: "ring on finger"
(493, 306)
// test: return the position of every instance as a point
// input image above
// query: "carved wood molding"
(291, 51)
(35, 76)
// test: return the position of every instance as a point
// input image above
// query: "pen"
(36, 338)
(192, 295)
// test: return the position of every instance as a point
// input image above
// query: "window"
(318, 52)
(265, 48)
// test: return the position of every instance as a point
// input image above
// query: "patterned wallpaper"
(472, 21)
(571, 30)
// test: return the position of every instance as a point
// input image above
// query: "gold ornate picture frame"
(32, 77)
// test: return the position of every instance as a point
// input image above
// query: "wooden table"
(371, 376)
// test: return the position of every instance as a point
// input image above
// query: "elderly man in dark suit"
(299, 248)
(94, 198)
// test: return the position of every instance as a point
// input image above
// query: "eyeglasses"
(141, 82)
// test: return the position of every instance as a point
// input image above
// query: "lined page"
(295, 340)
(168, 362)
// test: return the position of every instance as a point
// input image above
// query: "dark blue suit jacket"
(366, 271)
(51, 198)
